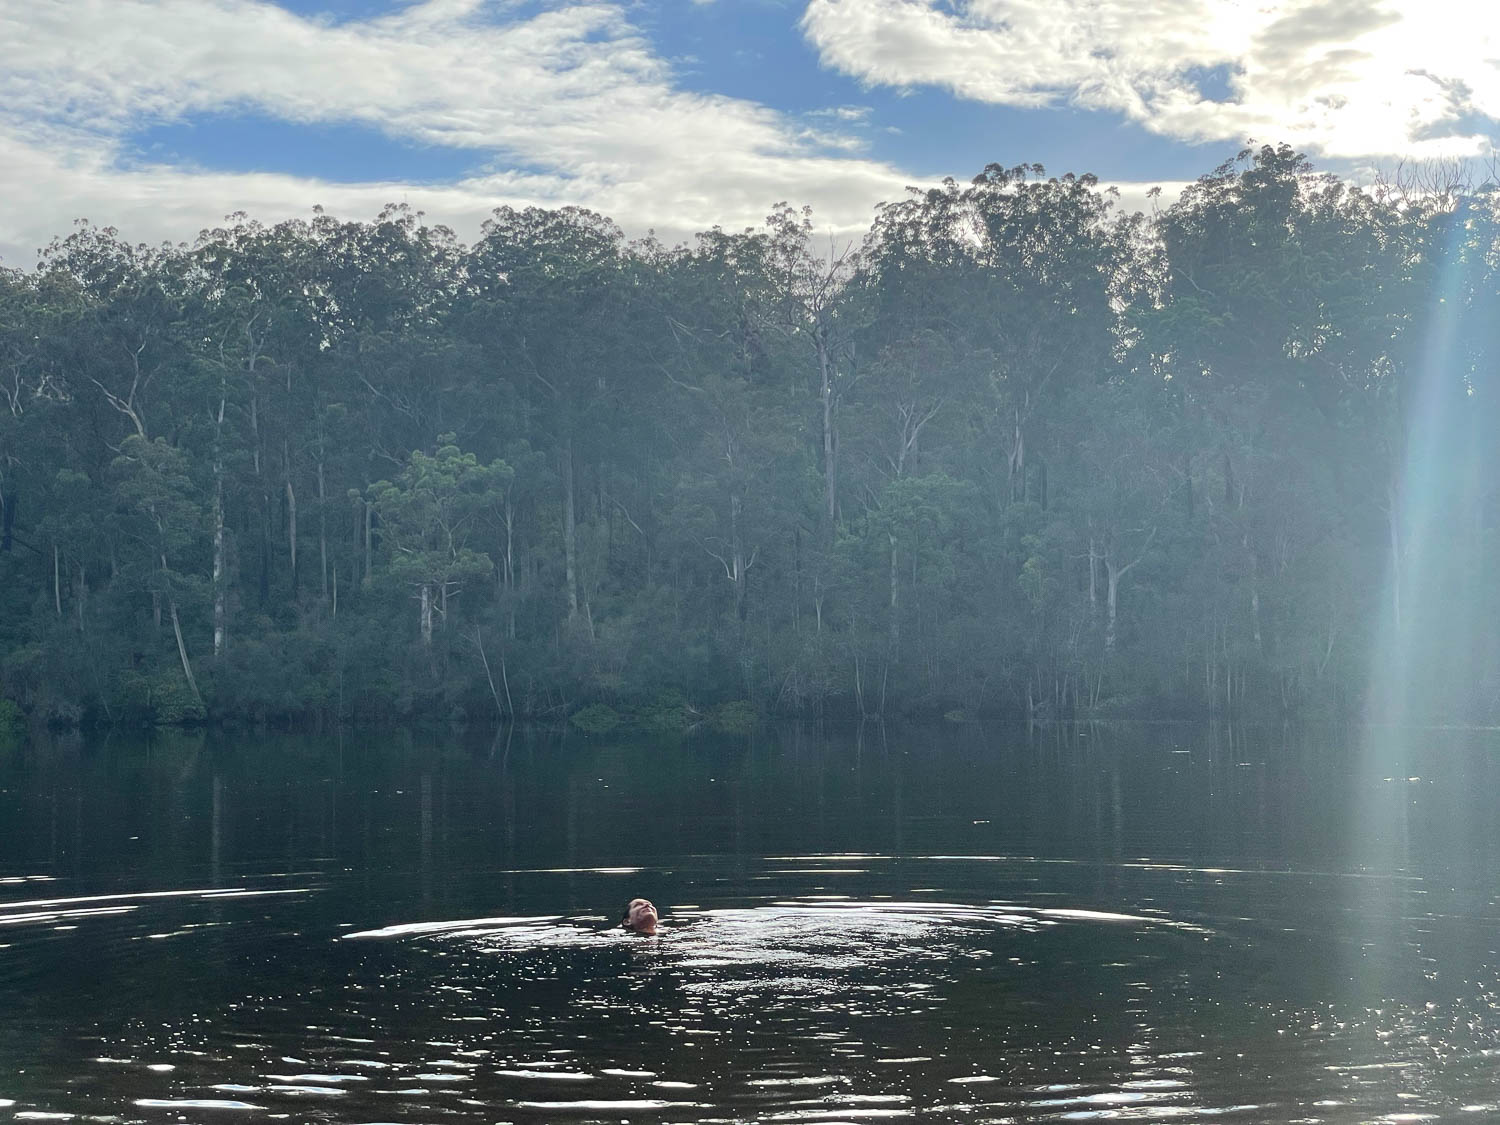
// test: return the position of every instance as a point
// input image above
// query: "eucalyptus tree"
(383, 373)
(254, 323)
(431, 513)
(1277, 320)
(136, 380)
(926, 364)
(805, 298)
(45, 521)
(161, 515)
(127, 346)
(1050, 260)
(996, 319)
(546, 301)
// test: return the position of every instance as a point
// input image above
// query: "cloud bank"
(571, 103)
(1356, 80)
(567, 105)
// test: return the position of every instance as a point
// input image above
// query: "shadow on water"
(972, 923)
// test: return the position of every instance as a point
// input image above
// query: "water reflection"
(1095, 924)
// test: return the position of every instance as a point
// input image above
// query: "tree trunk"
(187, 667)
(859, 685)
(265, 502)
(80, 596)
(797, 580)
(570, 530)
(508, 573)
(830, 431)
(495, 695)
(322, 527)
(1255, 599)
(1016, 464)
(220, 607)
(1392, 513)
(1112, 574)
(426, 611)
(369, 538)
(291, 515)
(1093, 581)
(895, 608)
(738, 557)
(220, 615)
(57, 579)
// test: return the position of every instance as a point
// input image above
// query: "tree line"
(1016, 452)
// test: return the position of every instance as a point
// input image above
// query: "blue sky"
(750, 50)
(161, 116)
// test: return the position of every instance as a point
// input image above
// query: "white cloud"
(1351, 79)
(569, 105)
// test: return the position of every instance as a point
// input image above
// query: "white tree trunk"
(291, 524)
(220, 607)
(830, 432)
(187, 667)
(1112, 574)
(219, 578)
(570, 531)
(322, 528)
(895, 603)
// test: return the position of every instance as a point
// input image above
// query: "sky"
(161, 117)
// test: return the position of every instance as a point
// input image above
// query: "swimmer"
(640, 916)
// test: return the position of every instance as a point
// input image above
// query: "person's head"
(640, 916)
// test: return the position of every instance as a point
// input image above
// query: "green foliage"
(171, 702)
(734, 717)
(12, 723)
(665, 712)
(1016, 455)
(596, 718)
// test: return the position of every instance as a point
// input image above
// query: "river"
(960, 923)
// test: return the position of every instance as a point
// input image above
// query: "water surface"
(956, 924)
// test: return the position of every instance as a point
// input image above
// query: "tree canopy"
(1015, 453)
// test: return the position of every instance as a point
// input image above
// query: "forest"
(1018, 452)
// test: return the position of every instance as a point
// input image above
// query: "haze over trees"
(1016, 453)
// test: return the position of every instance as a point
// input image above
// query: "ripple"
(621, 1106)
(557, 1075)
(835, 1115)
(318, 1078)
(782, 1008)
(202, 892)
(309, 1091)
(194, 1103)
(463, 927)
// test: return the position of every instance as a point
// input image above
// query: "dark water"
(1135, 923)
